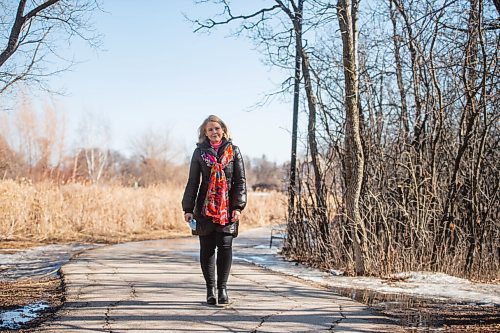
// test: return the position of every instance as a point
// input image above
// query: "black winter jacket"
(195, 192)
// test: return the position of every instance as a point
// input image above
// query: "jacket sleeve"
(193, 184)
(238, 199)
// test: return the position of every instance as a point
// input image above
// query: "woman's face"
(214, 132)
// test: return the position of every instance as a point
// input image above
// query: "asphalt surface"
(157, 286)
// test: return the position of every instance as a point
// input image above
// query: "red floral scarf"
(216, 203)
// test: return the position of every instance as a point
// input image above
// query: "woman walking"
(216, 202)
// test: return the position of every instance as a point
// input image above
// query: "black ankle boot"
(223, 298)
(211, 296)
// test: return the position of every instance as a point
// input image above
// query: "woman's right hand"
(188, 217)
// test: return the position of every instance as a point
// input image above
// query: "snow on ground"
(33, 263)
(14, 319)
(426, 285)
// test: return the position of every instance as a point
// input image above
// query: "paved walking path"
(156, 286)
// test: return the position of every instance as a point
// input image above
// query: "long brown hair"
(212, 118)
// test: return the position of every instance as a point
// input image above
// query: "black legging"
(224, 244)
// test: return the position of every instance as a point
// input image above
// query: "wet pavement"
(37, 262)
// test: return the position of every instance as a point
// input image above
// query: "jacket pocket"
(230, 228)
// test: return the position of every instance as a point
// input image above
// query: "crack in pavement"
(107, 315)
(262, 321)
(277, 292)
(338, 321)
(265, 318)
(131, 295)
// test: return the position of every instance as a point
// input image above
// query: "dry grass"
(45, 212)
(14, 294)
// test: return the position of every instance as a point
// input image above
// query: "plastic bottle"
(192, 224)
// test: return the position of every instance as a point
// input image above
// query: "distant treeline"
(33, 146)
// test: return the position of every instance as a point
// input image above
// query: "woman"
(216, 203)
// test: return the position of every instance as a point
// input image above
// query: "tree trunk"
(320, 211)
(415, 64)
(297, 24)
(399, 76)
(311, 132)
(347, 16)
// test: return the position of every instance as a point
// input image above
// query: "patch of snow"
(336, 272)
(429, 285)
(266, 247)
(436, 286)
(14, 319)
(430, 277)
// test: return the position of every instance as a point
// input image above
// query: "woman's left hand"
(236, 215)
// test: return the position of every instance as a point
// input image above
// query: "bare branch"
(211, 23)
(28, 41)
(32, 13)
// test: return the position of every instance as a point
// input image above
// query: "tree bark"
(296, 19)
(347, 16)
(311, 131)
(399, 75)
(320, 211)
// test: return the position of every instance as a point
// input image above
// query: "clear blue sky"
(153, 72)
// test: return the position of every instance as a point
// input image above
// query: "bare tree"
(95, 138)
(348, 17)
(264, 174)
(154, 151)
(278, 30)
(35, 138)
(399, 74)
(31, 31)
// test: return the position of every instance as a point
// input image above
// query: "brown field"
(47, 213)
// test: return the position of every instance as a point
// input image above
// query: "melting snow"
(14, 319)
(428, 285)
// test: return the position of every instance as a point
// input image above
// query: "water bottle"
(192, 224)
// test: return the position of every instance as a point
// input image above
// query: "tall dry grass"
(46, 212)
